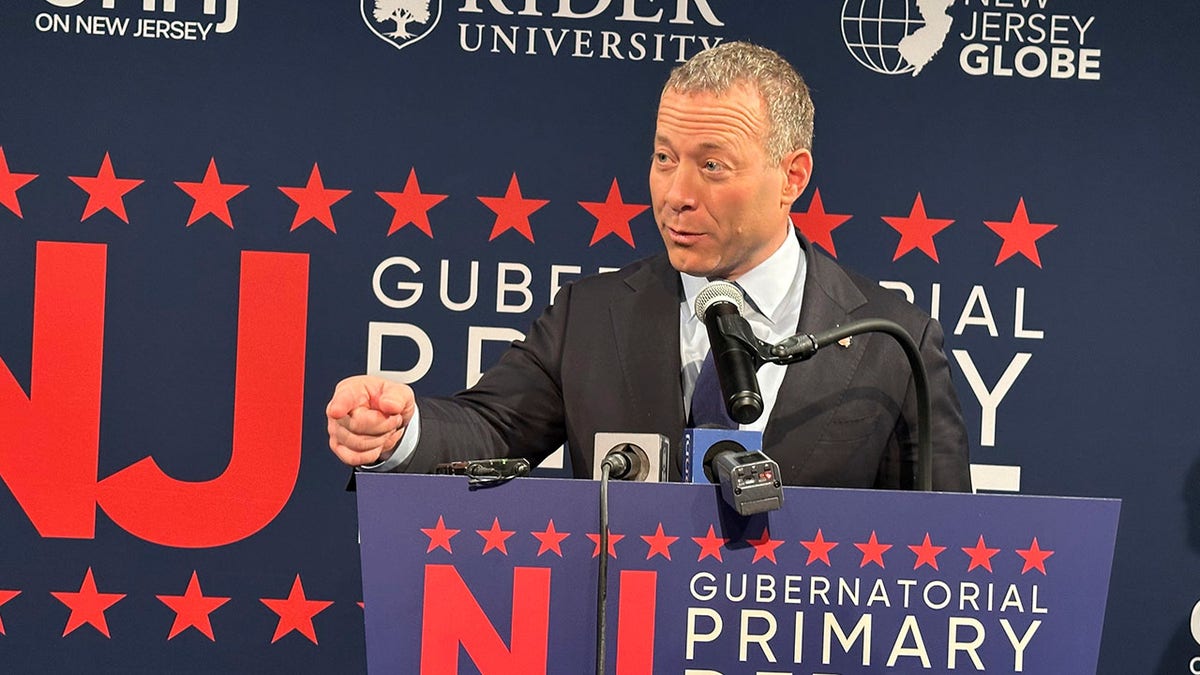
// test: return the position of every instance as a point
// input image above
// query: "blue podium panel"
(503, 580)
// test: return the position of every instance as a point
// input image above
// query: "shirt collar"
(765, 286)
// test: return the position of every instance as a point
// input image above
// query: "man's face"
(721, 207)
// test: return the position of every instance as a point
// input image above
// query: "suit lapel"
(645, 325)
(815, 386)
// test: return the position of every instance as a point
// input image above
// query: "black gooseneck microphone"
(719, 306)
(737, 354)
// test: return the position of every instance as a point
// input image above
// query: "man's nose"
(682, 190)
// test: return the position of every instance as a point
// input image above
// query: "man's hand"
(366, 417)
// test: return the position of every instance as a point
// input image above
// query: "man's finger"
(346, 397)
(351, 457)
(368, 422)
(395, 398)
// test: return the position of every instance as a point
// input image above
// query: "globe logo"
(894, 37)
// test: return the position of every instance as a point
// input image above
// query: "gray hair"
(782, 90)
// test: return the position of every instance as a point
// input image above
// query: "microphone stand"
(802, 347)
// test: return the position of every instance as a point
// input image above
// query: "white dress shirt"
(774, 291)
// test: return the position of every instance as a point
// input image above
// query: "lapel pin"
(845, 342)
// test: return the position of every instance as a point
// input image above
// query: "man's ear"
(797, 169)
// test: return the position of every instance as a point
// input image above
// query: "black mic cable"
(624, 462)
(602, 575)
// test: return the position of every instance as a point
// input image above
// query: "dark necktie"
(708, 404)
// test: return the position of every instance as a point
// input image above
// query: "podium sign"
(503, 580)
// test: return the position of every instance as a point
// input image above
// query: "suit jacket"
(605, 357)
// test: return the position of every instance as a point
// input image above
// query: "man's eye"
(712, 165)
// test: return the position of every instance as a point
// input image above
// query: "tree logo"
(403, 14)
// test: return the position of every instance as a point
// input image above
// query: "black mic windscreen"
(714, 451)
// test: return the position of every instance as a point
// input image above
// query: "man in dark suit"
(621, 351)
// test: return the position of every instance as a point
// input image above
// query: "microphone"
(697, 441)
(719, 306)
(626, 462)
(632, 457)
(749, 480)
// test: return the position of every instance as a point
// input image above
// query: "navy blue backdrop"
(211, 212)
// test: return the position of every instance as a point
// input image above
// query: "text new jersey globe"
(873, 29)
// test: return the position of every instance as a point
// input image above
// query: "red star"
(5, 596)
(512, 210)
(314, 201)
(1020, 235)
(1035, 557)
(818, 549)
(927, 553)
(412, 205)
(495, 538)
(9, 184)
(710, 545)
(817, 225)
(872, 551)
(88, 605)
(192, 609)
(105, 190)
(764, 546)
(612, 543)
(439, 536)
(296, 612)
(660, 544)
(613, 216)
(917, 230)
(211, 195)
(551, 540)
(981, 555)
